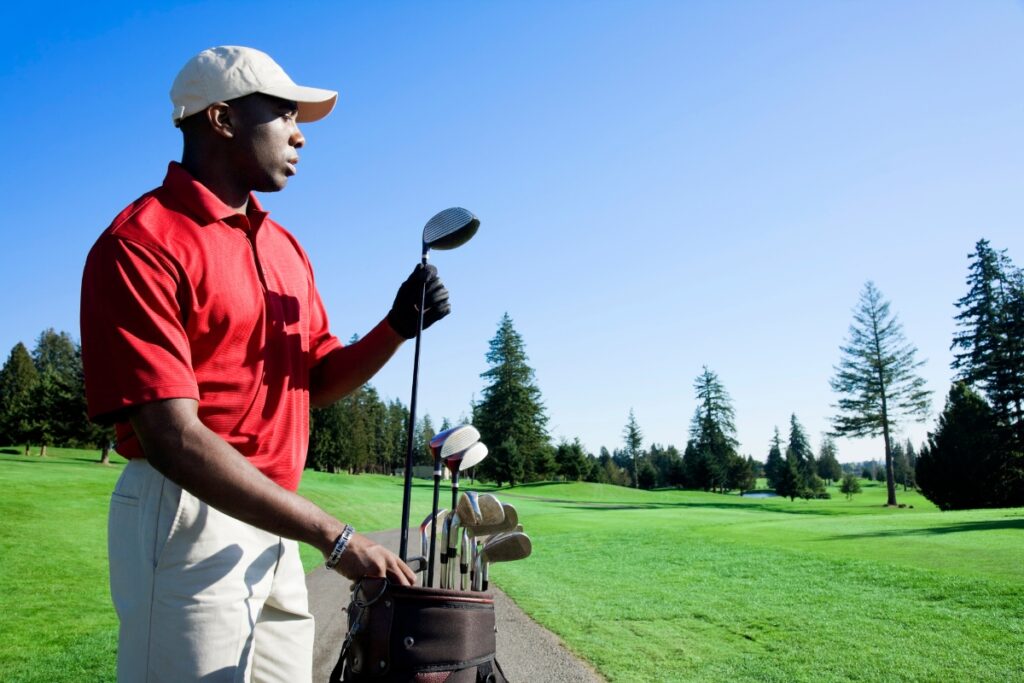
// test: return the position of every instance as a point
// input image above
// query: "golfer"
(205, 341)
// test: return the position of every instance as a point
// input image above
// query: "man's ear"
(221, 119)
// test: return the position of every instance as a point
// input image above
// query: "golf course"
(645, 585)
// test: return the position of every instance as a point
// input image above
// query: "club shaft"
(403, 547)
(433, 524)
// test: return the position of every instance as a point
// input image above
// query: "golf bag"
(418, 635)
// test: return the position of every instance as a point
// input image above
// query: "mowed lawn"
(648, 586)
(685, 586)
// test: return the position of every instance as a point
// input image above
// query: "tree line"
(42, 397)
(972, 459)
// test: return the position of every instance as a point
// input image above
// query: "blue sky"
(662, 185)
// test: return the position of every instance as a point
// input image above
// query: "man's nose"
(296, 140)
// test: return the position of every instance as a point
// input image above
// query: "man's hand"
(405, 312)
(363, 557)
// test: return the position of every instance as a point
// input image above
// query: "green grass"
(664, 585)
(685, 586)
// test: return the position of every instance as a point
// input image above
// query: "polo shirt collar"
(204, 206)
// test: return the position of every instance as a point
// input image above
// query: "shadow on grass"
(12, 451)
(990, 525)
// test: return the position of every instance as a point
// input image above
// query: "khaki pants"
(201, 595)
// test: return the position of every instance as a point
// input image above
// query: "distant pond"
(760, 494)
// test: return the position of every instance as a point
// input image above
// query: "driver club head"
(449, 229)
(473, 456)
(454, 440)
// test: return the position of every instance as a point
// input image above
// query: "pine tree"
(511, 413)
(713, 430)
(989, 345)
(775, 462)
(17, 380)
(789, 484)
(58, 408)
(877, 379)
(572, 460)
(799, 445)
(829, 468)
(634, 444)
(966, 464)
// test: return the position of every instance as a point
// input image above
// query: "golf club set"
(472, 517)
(445, 633)
(477, 530)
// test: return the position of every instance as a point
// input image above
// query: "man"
(205, 341)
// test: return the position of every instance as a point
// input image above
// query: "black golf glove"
(405, 312)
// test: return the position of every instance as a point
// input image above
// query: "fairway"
(647, 586)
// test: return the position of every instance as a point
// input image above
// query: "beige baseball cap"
(224, 73)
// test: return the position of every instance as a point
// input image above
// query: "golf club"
(463, 460)
(425, 542)
(467, 509)
(450, 443)
(448, 229)
(506, 547)
(488, 513)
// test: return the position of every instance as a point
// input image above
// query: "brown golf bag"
(422, 635)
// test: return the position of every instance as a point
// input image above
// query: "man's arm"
(344, 370)
(181, 448)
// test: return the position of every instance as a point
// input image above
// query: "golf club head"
(468, 509)
(508, 547)
(473, 456)
(453, 440)
(449, 229)
(491, 510)
(509, 523)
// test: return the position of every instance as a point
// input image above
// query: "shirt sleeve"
(134, 345)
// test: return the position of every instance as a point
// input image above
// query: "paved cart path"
(526, 650)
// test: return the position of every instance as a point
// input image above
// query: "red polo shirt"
(184, 298)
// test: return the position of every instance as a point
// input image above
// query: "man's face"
(266, 140)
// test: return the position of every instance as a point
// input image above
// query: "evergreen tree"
(510, 413)
(900, 466)
(17, 380)
(989, 344)
(877, 379)
(850, 485)
(697, 472)
(789, 483)
(425, 431)
(646, 476)
(911, 463)
(634, 444)
(572, 460)
(667, 464)
(800, 447)
(58, 409)
(713, 430)
(966, 463)
(829, 468)
(775, 463)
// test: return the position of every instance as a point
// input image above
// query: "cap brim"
(314, 103)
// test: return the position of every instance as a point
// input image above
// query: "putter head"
(449, 229)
